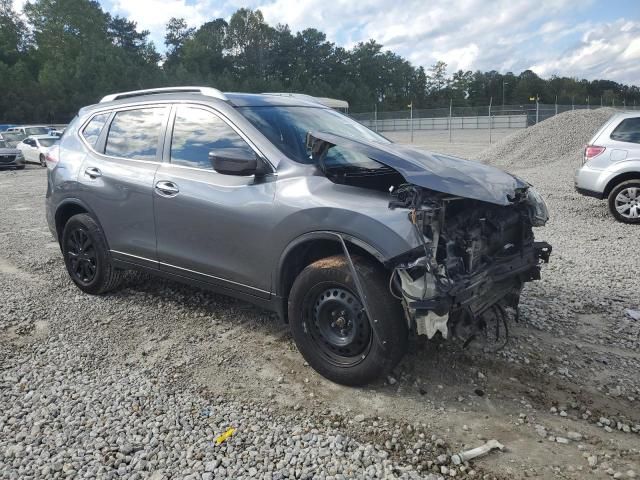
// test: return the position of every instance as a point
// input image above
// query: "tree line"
(60, 55)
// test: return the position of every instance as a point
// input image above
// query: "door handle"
(167, 189)
(93, 172)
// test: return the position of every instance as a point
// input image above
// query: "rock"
(575, 436)
(359, 418)
(592, 460)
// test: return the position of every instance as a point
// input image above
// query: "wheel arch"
(618, 179)
(67, 209)
(313, 246)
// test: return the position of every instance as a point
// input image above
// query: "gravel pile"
(563, 135)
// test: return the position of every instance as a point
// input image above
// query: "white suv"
(612, 166)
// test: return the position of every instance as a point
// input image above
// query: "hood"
(9, 151)
(435, 171)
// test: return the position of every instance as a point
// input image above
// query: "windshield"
(47, 142)
(36, 130)
(287, 127)
(12, 139)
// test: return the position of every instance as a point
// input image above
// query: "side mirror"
(233, 161)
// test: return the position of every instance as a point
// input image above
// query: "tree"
(12, 33)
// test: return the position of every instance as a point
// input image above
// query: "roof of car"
(42, 137)
(208, 94)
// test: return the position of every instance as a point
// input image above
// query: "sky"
(577, 38)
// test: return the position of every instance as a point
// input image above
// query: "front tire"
(43, 161)
(624, 202)
(331, 328)
(87, 257)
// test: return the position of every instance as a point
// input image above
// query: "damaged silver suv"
(352, 240)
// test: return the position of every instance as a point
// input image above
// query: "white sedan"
(35, 148)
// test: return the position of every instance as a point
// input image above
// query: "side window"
(134, 133)
(92, 131)
(196, 132)
(627, 131)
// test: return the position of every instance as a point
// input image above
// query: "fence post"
(375, 115)
(450, 117)
(556, 104)
(537, 108)
(490, 102)
(411, 119)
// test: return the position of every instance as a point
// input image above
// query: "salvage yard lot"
(140, 382)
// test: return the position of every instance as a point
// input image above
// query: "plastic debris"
(224, 436)
(476, 452)
(635, 314)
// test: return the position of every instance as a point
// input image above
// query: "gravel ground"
(140, 382)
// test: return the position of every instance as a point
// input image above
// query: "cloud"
(608, 51)
(153, 15)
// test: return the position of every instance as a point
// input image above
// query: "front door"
(31, 150)
(211, 226)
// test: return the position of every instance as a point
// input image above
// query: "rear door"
(117, 177)
(211, 226)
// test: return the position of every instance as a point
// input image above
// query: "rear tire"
(87, 257)
(624, 202)
(331, 329)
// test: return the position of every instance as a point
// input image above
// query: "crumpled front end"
(472, 263)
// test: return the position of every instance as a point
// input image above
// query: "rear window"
(134, 134)
(627, 131)
(92, 131)
(36, 130)
(47, 142)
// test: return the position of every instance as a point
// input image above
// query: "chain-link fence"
(455, 118)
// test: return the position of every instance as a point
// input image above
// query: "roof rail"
(207, 91)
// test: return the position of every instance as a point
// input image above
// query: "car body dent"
(437, 172)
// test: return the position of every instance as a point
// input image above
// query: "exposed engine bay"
(470, 269)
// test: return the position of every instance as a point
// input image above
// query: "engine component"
(475, 258)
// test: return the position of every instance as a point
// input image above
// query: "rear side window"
(197, 132)
(92, 131)
(134, 134)
(627, 131)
